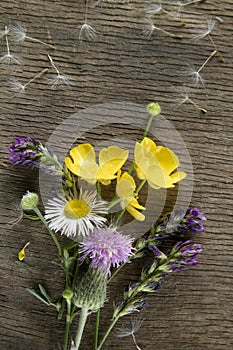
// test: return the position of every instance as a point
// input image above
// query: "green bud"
(91, 291)
(153, 109)
(67, 294)
(29, 201)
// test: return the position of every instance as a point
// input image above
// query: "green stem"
(98, 188)
(148, 125)
(142, 183)
(107, 332)
(40, 216)
(75, 274)
(116, 271)
(121, 213)
(68, 324)
(81, 325)
(113, 202)
(97, 320)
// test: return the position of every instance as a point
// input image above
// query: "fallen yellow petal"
(21, 254)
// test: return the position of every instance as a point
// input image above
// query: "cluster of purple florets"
(179, 222)
(25, 151)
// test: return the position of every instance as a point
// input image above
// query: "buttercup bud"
(153, 108)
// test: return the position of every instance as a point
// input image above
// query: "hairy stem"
(81, 325)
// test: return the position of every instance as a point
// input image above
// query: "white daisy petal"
(77, 216)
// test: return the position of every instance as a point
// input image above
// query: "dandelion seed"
(181, 4)
(18, 33)
(4, 32)
(8, 58)
(59, 79)
(196, 74)
(151, 28)
(205, 32)
(183, 97)
(87, 32)
(219, 19)
(19, 212)
(158, 8)
(130, 330)
(19, 87)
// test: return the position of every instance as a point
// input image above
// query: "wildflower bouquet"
(98, 248)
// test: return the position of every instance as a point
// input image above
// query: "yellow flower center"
(76, 209)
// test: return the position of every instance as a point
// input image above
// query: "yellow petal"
(111, 159)
(74, 168)
(126, 176)
(149, 145)
(136, 214)
(157, 178)
(167, 159)
(21, 254)
(82, 162)
(112, 152)
(83, 153)
(141, 160)
(124, 191)
(135, 204)
(178, 176)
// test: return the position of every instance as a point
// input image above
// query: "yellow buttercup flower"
(156, 164)
(82, 162)
(125, 190)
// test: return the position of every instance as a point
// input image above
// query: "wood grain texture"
(194, 309)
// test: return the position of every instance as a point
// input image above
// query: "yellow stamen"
(76, 209)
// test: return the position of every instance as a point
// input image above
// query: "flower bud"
(29, 201)
(91, 291)
(67, 294)
(153, 108)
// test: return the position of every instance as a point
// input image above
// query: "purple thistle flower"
(184, 254)
(24, 151)
(106, 247)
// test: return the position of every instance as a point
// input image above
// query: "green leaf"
(44, 293)
(31, 217)
(23, 265)
(71, 245)
(38, 295)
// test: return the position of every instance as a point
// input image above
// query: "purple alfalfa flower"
(179, 222)
(182, 255)
(31, 152)
(106, 248)
(24, 151)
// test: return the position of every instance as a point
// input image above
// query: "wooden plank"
(193, 309)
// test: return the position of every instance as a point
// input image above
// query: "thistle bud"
(91, 292)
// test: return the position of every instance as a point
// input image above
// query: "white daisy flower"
(76, 216)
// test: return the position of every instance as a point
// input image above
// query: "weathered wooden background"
(194, 309)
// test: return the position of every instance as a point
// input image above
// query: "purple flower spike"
(184, 254)
(24, 151)
(106, 247)
(179, 222)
